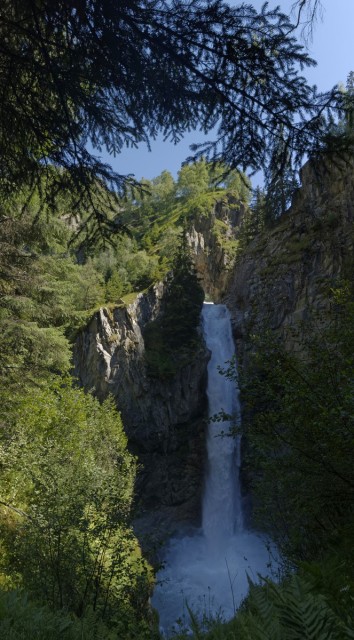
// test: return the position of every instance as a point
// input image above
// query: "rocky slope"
(164, 420)
(286, 273)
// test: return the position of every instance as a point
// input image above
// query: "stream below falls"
(207, 569)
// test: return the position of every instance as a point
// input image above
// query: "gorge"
(283, 277)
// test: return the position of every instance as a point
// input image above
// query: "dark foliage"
(280, 182)
(113, 74)
(173, 337)
(300, 428)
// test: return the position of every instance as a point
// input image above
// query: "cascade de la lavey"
(206, 570)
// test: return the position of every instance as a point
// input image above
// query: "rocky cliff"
(287, 272)
(164, 420)
(284, 276)
(212, 237)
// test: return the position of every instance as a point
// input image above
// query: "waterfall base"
(210, 578)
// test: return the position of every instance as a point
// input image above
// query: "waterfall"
(222, 513)
(207, 570)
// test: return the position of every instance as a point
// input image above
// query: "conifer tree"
(254, 219)
(77, 75)
(182, 301)
(280, 180)
(173, 336)
(349, 103)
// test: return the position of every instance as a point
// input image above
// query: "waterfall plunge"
(222, 513)
(208, 569)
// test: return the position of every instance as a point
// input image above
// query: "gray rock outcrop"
(164, 420)
(287, 272)
(213, 238)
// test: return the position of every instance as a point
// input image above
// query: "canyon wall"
(286, 273)
(213, 239)
(164, 419)
(282, 281)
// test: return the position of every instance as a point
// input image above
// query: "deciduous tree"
(67, 485)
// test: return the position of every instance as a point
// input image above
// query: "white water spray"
(208, 570)
(222, 513)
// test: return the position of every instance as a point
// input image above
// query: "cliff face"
(284, 276)
(164, 420)
(212, 238)
(287, 272)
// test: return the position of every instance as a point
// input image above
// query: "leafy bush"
(67, 483)
(23, 619)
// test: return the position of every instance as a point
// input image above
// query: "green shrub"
(67, 485)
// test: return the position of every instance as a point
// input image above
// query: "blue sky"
(333, 49)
